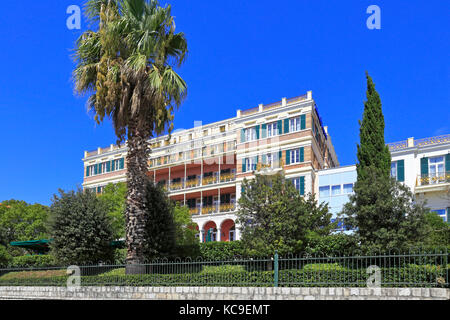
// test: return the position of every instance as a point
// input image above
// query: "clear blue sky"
(241, 54)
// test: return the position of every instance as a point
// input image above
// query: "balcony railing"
(216, 208)
(434, 178)
(196, 182)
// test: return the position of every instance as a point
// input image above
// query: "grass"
(33, 274)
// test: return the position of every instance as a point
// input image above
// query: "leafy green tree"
(274, 216)
(127, 67)
(160, 226)
(80, 228)
(384, 214)
(20, 221)
(438, 233)
(185, 229)
(114, 198)
(372, 150)
(5, 257)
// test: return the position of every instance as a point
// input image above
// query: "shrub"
(36, 261)
(80, 228)
(5, 257)
(221, 250)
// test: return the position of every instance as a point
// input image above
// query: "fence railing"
(412, 269)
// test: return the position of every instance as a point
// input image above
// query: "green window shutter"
(280, 156)
(243, 165)
(87, 171)
(424, 166)
(286, 125)
(122, 163)
(401, 170)
(108, 166)
(257, 132)
(264, 131)
(95, 169)
(112, 165)
(447, 162)
(264, 159)
(302, 154)
(242, 135)
(288, 157)
(302, 122)
(302, 186)
(280, 129)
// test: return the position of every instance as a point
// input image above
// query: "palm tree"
(127, 67)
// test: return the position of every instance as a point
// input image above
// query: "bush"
(221, 250)
(36, 261)
(80, 228)
(5, 257)
(331, 245)
(313, 276)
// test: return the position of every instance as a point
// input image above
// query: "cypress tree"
(372, 150)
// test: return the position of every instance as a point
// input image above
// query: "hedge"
(309, 276)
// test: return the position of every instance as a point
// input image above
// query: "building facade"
(423, 165)
(203, 167)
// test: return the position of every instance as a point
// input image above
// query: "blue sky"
(240, 54)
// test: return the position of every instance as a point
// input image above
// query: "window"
(272, 129)
(250, 164)
(348, 188)
(441, 213)
(222, 128)
(336, 190)
(295, 124)
(436, 169)
(299, 184)
(295, 156)
(324, 191)
(394, 170)
(250, 134)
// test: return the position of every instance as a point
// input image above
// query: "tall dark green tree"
(160, 226)
(383, 212)
(372, 150)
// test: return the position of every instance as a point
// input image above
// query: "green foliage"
(160, 226)
(34, 261)
(20, 221)
(274, 216)
(331, 245)
(114, 197)
(372, 150)
(80, 228)
(385, 214)
(438, 231)
(327, 275)
(227, 268)
(221, 250)
(185, 229)
(5, 257)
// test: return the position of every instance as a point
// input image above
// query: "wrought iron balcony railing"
(434, 178)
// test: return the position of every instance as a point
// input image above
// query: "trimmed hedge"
(36, 261)
(309, 276)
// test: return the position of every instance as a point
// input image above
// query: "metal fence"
(412, 269)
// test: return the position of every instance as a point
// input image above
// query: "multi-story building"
(203, 167)
(423, 165)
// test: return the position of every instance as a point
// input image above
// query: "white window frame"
(272, 129)
(343, 189)
(329, 191)
(294, 124)
(294, 154)
(435, 166)
(340, 190)
(394, 169)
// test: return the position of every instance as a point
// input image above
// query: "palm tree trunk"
(135, 215)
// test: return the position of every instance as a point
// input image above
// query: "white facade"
(410, 160)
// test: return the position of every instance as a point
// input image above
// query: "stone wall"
(223, 293)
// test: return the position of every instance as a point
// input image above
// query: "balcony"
(433, 182)
(205, 210)
(193, 183)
